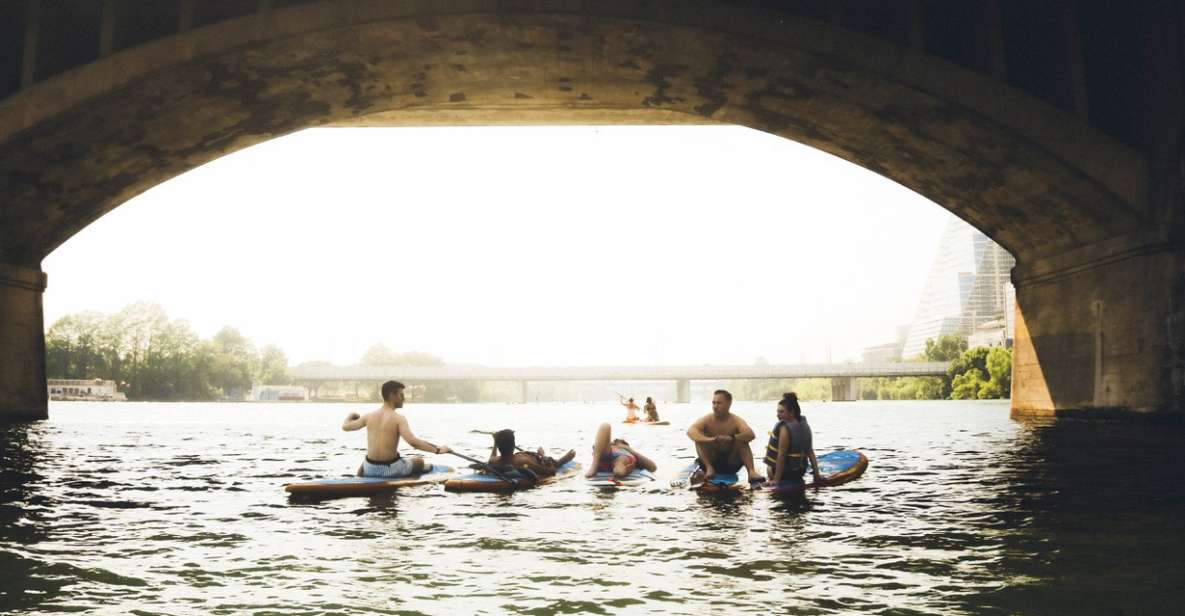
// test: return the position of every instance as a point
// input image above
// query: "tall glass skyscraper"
(966, 287)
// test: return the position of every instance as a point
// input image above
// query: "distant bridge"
(843, 376)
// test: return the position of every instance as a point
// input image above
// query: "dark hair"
(504, 441)
(391, 387)
(789, 401)
(648, 400)
(724, 392)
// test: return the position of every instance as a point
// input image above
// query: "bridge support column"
(523, 394)
(843, 389)
(23, 394)
(1103, 336)
(683, 391)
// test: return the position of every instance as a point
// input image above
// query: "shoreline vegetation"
(153, 358)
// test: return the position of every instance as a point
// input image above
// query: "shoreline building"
(967, 291)
(84, 389)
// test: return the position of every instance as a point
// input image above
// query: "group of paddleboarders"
(631, 410)
(722, 442)
(721, 439)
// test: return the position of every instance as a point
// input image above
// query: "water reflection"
(160, 508)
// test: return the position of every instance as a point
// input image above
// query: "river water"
(178, 509)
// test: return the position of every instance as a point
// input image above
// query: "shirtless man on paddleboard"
(722, 440)
(384, 428)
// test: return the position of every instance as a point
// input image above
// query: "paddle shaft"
(487, 466)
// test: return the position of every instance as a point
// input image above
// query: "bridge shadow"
(25, 582)
(1090, 518)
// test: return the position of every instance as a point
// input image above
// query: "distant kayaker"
(790, 444)
(615, 456)
(504, 457)
(651, 410)
(384, 428)
(722, 440)
(631, 409)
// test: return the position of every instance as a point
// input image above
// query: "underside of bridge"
(1093, 217)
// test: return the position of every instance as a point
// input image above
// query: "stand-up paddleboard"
(719, 483)
(637, 477)
(836, 468)
(356, 486)
(482, 482)
(648, 423)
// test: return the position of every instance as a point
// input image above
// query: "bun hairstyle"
(789, 401)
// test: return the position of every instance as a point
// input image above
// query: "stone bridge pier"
(1105, 333)
(23, 394)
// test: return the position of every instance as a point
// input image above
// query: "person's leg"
(600, 448)
(566, 458)
(706, 458)
(359, 470)
(746, 457)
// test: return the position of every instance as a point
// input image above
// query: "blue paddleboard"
(835, 468)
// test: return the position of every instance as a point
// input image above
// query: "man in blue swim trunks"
(384, 428)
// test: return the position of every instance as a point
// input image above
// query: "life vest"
(796, 455)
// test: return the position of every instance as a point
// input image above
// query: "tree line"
(979, 373)
(153, 357)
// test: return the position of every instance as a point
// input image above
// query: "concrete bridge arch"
(1070, 202)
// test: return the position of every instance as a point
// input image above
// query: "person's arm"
(744, 432)
(422, 445)
(354, 422)
(814, 464)
(643, 461)
(696, 432)
(783, 449)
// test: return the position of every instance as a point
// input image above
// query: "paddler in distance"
(384, 428)
(631, 409)
(722, 440)
(790, 444)
(651, 409)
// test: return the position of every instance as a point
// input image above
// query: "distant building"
(84, 389)
(967, 287)
(279, 393)
(990, 334)
(888, 352)
(882, 353)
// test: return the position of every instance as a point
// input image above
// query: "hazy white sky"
(520, 246)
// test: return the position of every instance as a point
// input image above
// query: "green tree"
(379, 355)
(273, 366)
(945, 348)
(999, 367)
(233, 362)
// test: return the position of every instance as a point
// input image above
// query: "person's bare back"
(384, 428)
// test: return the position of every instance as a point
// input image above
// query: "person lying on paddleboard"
(384, 428)
(504, 456)
(631, 409)
(790, 444)
(651, 410)
(615, 456)
(722, 440)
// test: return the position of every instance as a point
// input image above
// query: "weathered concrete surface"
(1107, 337)
(1032, 178)
(23, 395)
